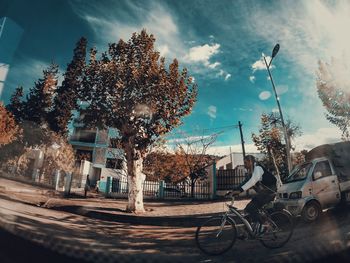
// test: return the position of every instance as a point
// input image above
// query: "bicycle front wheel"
(279, 230)
(216, 235)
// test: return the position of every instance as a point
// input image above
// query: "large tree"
(131, 89)
(40, 99)
(270, 142)
(16, 106)
(333, 89)
(65, 100)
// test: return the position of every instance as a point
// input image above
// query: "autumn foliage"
(8, 127)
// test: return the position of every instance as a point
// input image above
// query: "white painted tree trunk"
(135, 183)
(278, 176)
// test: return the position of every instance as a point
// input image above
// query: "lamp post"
(286, 137)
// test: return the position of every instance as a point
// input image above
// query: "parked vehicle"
(172, 192)
(322, 182)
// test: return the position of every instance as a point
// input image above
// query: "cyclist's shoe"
(256, 227)
(262, 230)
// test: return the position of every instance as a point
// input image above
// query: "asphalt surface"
(37, 231)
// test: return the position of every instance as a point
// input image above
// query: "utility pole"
(242, 140)
(286, 137)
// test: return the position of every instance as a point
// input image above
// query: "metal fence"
(160, 190)
(120, 187)
(227, 179)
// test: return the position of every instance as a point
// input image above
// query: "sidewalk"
(165, 213)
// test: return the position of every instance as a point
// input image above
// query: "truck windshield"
(299, 173)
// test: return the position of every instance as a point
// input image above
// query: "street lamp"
(286, 137)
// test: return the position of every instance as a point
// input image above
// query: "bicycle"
(219, 233)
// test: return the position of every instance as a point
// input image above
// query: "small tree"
(59, 154)
(170, 167)
(332, 87)
(192, 152)
(269, 141)
(298, 157)
(129, 88)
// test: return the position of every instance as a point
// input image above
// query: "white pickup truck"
(322, 182)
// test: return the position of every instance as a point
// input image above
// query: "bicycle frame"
(233, 210)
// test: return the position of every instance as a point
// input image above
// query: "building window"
(114, 163)
(84, 135)
(84, 155)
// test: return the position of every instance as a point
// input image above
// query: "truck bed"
(344, 186)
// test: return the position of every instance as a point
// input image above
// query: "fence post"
(67, 184)
(214, 181)
(161, 189)
(57, 179)
(108, 185)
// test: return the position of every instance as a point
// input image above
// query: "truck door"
(325, 185)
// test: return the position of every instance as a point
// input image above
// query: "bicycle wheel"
(279, 229)
(216, 235)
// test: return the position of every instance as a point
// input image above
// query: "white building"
(234, 159)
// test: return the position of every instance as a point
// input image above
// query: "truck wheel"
(311, 212)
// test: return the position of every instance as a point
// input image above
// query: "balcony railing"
(88, 137)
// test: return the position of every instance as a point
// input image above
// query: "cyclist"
(263, 182)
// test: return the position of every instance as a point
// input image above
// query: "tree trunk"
(192, 187)
(278, 176)
(135, 181)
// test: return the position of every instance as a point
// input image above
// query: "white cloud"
(157, 19)
(163, 50)
(214, 65)
(264, 95)
(260, 64)
(242, 109)
(110, 27)
(321, 136)
(281, 89)
(252, 79)
(223, 73)
(307, 31)
(275, 110)
(212, 111)
(203, 54)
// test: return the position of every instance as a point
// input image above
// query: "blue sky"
(221, 44)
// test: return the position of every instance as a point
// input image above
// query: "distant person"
(87, 186)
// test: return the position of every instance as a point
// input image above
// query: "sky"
(221, 43)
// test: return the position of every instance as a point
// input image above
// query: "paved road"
(96, 240)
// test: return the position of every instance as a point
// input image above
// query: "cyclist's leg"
(252, 209)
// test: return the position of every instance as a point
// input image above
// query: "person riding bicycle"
(263, 182)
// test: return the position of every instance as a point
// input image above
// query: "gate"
(230, 178)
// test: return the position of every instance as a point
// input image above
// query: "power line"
(202, 130)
